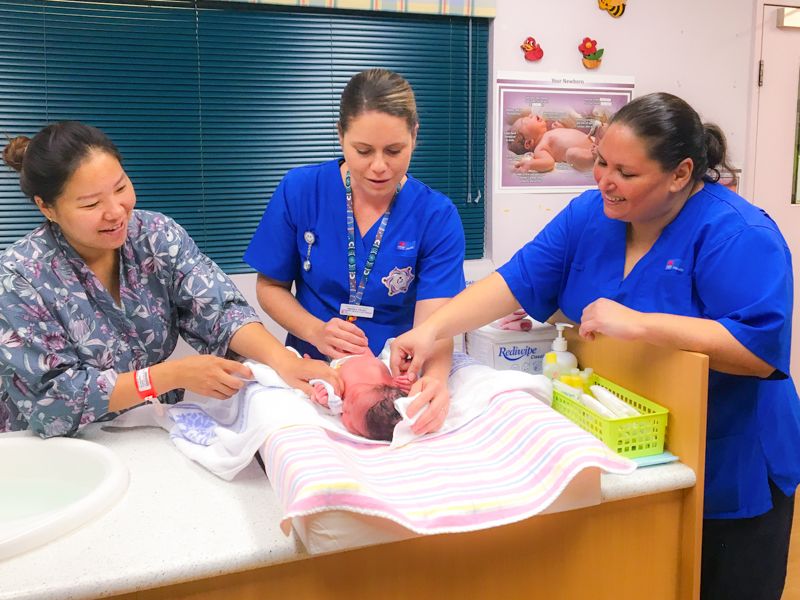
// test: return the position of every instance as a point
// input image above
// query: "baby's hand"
(403, 383)
(319, 394)
(593, 148)
(524, 165)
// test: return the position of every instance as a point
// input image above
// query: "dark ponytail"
(46, 162)
(672, 132)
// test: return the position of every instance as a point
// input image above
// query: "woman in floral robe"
(101, 291)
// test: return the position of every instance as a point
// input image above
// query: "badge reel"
(309, 238)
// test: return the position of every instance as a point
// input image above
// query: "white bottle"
(566, 360)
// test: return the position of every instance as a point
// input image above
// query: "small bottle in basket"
(559, 362)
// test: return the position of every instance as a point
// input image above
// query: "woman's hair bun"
(716, 145)
(15, 152)
(717, 153)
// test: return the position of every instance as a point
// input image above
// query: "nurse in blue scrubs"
(662, 253)
(371, 250)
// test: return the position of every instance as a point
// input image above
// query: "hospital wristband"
(144, 386)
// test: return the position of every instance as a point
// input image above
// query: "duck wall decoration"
(532, 50)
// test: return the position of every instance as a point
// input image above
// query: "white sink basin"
(51, 487)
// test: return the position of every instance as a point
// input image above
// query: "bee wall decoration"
(614, 7)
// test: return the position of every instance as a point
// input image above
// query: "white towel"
(223, 435)
(268, 377)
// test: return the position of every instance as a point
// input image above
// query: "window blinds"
(210, 105)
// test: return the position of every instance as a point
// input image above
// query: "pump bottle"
(566, 361)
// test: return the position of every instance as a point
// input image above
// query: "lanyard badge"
(309, 239)
(353, 308)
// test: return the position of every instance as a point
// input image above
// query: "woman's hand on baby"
(410, 351)
(433, 391)
(297, 372)
(338, 338)
(612, 319)
(210, 376)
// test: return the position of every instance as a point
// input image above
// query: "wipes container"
(511, 350)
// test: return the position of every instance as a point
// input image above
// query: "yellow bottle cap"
(550, 358)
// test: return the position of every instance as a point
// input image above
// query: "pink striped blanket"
(508, 465)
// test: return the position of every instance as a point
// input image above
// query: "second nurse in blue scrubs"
(662, 253)
(371, 250)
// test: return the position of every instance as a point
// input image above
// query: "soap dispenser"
(566, 360)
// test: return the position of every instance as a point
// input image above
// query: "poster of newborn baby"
(551, 125)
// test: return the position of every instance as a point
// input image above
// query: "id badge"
(356, 310)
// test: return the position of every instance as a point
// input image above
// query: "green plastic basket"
(632, 437)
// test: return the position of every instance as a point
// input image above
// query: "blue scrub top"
(723, 259)
(421, 254)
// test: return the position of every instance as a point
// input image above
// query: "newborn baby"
(542, 149)
(368, 395)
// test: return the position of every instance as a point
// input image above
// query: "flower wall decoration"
(591, 55)
(532, 50)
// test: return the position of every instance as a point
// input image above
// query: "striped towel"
(508, 465)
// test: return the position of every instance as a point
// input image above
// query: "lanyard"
(357, 294)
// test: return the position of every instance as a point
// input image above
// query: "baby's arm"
(540, 161)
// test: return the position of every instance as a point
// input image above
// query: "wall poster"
(550, 125)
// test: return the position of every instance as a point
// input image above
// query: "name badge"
(356, 310)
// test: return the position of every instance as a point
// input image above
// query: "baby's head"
(368, 397)
(529, 130)
(380, 420)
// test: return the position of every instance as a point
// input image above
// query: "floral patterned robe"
(63, 338)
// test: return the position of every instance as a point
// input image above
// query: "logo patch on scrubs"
(674, 265)
(398, 280)
(406, 245)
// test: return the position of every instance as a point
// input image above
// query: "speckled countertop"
(178, 522)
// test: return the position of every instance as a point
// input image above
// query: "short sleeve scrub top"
(421, 254)
(721, 258)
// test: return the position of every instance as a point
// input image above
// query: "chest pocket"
(395, 276)
(580, 290)
(667, 293)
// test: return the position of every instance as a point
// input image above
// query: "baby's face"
(533, 127)
(361, 375)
